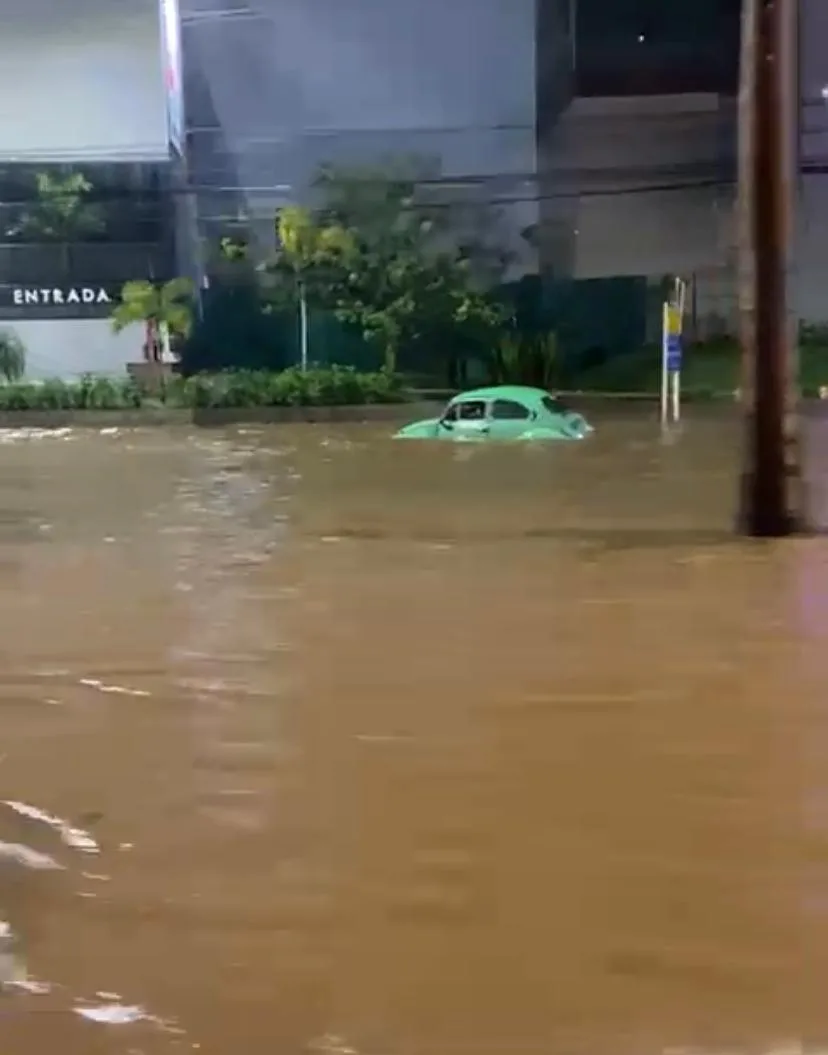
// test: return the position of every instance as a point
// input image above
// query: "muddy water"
(311, 741)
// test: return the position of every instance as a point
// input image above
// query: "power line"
(425, 205)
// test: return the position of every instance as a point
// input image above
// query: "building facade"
(610, 131)
(639, 167)
(275, 88)
(811, 260)
(645, 154)
(610, 128)
(86, 175)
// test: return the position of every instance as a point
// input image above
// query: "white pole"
(665, 380)
(303, 329)
(682, 299)
(676, 395)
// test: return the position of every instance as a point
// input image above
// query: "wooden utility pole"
(772, 495)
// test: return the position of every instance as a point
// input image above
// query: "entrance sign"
(24, 296)
(55, 300)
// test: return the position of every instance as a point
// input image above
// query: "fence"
(592, 320)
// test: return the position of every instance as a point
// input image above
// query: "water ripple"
(76, 838)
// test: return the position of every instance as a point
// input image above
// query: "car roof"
(519, 393)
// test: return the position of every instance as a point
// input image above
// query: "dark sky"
(669, 19)
(657, 46)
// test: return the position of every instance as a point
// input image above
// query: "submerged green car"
(506, 412)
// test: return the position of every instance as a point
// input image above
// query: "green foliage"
(233, 248)
(156, 307)
(709, 367)
(61, 210)
(525, 359)
(385, 265)
(814, 334)
(88, 393)
(170, 304)
(12, 356)
(323, 387)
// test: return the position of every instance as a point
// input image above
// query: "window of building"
(114, 224)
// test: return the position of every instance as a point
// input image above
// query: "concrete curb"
(209, 417)
(391, 413)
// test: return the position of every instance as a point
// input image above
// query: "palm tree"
(165, 310)
(12, 356)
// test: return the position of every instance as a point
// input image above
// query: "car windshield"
(555, 405)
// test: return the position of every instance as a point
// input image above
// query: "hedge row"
(322, 387)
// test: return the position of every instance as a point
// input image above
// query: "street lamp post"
(772, 494)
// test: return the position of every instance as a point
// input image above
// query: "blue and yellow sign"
(672, 338)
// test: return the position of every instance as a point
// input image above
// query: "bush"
(88, 393)
(525, 359)
(709, 367)
(328, 386)
(319, 387)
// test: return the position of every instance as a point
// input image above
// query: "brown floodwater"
(312, 741)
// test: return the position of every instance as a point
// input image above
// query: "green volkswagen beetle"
(506, 412)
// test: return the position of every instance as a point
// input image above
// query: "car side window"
(508, 410)
(474, 410)
(450, 413)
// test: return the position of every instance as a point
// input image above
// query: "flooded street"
(312, 741)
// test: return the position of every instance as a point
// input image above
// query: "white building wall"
(67, 348)
(649, 181)
(82, 80)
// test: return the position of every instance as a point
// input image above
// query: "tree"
(309, 265)
(12, 356)
(384, 264)
(164, 310)
(61, 210)
(234, 249)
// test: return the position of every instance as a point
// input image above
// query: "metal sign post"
(671, 354)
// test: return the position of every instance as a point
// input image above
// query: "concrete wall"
(811, 260)
(81, 80)
(603, 147)
(646, 181)
(811, 267)
(67, 348)
(813, 72)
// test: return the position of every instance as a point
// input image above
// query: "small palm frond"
(12, 356)
(139, 302)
